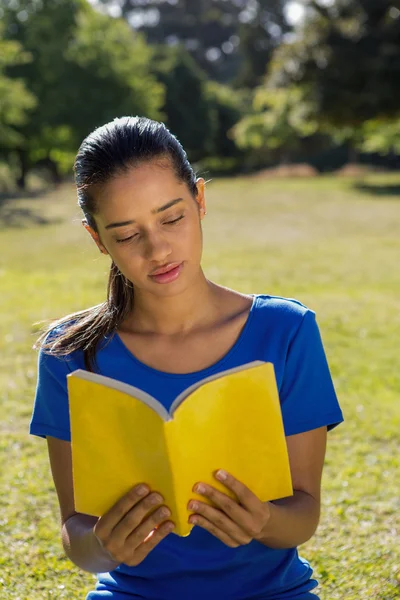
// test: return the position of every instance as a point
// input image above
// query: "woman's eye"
(126, 239)
(174, 221)
(131, 237)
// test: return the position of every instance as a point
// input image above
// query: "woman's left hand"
(235, 523)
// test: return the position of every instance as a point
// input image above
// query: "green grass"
(334, 247)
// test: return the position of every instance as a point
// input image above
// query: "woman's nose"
(157, 248)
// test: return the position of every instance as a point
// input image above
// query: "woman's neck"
(175, 315)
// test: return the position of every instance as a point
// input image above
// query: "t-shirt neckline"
(202, 372)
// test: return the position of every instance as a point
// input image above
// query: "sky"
(294, 12)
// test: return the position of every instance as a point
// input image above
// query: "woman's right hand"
(123, 529)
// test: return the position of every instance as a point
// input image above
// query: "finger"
(135, 516)
(245, 496)
(112, 517)
(141, 532)
(221, 521)
(211, 528)
(230, 507)
(151, 542)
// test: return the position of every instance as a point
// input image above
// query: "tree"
(187, 109)
(382, 136)
(229, 39)
(15, 99)
(87, 68)
(276, 126)
(259, 35)
(228, 107)
(347, 58)
(203, 27)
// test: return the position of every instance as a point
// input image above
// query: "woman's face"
(148, 221)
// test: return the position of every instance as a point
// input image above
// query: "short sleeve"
(51, 409)
(307, 394)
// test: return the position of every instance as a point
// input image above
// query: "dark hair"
(111, 150)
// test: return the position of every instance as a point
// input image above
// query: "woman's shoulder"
(62, 326)
(282, 306)
(268, 309)
(281, 314)
(53, 338)
(56, 330)
(75, 339)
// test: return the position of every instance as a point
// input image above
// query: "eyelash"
(166, 223)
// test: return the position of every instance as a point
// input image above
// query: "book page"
(232, 423)
(117, 442)
(126, 388)
(179, 399)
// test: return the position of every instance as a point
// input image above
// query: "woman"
(163, 327)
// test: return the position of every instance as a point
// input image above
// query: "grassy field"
(334, 245)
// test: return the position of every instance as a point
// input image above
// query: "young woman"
(163, 327)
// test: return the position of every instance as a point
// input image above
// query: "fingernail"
(141, 490)
(156, 499)
(222, 475)
(200, 488)
(193, 506)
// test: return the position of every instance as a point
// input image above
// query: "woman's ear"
(95, 236)
(200, 198)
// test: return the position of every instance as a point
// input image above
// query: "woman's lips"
(169, 275)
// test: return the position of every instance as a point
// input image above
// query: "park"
(325, 233)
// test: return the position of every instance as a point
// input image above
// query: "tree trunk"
(52, 168)
(285, 156)
(54, 171)
(24, 168)
(353, 154)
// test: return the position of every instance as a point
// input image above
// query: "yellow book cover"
(121, 436)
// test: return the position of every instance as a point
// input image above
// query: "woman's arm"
(82, 546)
(284, 523)
(122, 534)
(79, 542)
(294, 520)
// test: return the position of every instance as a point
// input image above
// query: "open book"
(121, 436)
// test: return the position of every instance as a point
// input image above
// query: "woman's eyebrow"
(168, 205)
(154, 211)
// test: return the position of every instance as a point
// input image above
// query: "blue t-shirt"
(278, 330)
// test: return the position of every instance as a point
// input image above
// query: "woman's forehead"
(140, 189)
(139, 180)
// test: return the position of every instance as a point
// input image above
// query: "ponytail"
(86, 328)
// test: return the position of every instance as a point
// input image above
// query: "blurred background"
(291, 112)
(245, 85)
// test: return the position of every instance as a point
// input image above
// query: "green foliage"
(111, 71)
(230, 40)
(188, 112)
(196, 26)
(347, 58)
(15, 99)
(66, 68)
(261, 32)
(86, 70)
(279, 120)
(228, 106)
(45, 33)
(54, 145)
(382, 136)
